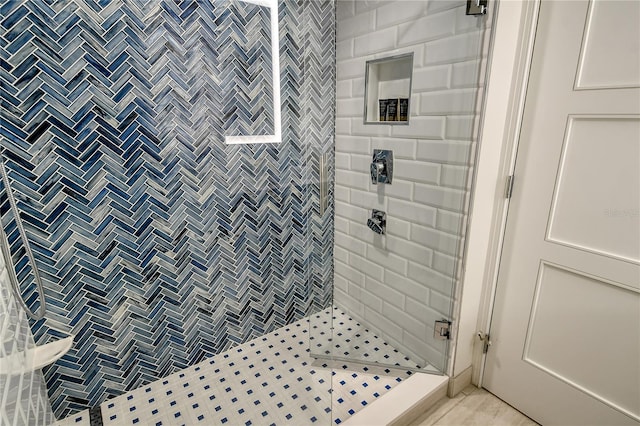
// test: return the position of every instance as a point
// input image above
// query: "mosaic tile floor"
(271, 380)
(350, 340)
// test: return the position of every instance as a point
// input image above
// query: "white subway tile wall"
(400, 283)
(23, 393)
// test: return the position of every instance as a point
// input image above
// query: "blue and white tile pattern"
(160, 246)
(269, 380)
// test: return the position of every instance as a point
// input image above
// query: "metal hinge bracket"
(486, 341)
(477, 7)
(442, 330)
(508, 187)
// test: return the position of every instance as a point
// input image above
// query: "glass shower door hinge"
(441, 330)
(477, 7)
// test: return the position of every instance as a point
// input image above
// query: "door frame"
(508, 78)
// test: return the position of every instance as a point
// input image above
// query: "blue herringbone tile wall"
(158, 244)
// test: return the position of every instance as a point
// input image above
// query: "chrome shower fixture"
(378, 222)
(382, 166)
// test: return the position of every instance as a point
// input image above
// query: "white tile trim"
(419, 391)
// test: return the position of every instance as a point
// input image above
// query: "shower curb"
(404, 403)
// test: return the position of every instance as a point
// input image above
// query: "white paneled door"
(566, 324)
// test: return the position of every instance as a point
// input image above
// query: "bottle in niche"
(403, 109)
(383, 109)
(392, 110)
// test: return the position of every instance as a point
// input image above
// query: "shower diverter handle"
(378, 169)
(382, 166)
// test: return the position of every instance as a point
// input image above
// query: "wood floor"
(473, 406)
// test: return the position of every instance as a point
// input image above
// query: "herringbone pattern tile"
(158, 244)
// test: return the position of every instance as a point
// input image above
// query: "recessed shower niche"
(388, 90)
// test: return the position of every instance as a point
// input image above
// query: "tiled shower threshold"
(271, 380)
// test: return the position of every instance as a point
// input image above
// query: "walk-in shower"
(200, 194)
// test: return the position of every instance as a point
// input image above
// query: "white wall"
(401, 283)
(514, 25)
(23, 396)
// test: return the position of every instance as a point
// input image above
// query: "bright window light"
(275, 67)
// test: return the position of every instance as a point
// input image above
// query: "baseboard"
(459, 382)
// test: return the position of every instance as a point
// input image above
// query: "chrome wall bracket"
(477, 7)
(441, 330)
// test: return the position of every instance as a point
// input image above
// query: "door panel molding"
(588, 331)
(544, 315)
(597, 212)
(596, 67)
